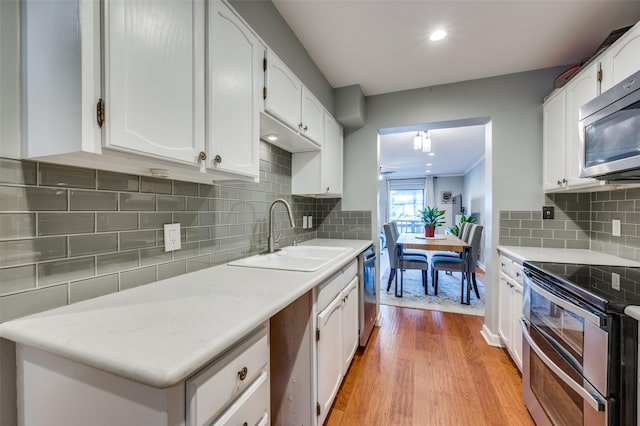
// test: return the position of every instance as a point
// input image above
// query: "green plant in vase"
(455, 229)
(431, 217)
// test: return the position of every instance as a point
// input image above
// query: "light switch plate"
(615, 227)
(304, 222)
(172, 236)
(310, 222)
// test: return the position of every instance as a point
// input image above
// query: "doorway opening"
(449, 175)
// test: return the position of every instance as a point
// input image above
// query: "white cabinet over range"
(561, 128)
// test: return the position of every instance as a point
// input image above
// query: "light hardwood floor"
(429, 368)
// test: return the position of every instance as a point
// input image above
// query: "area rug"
(447, 300)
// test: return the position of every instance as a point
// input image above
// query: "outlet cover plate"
(548, 212)
(615, 227)
(172, 237)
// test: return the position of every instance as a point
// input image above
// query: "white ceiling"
(383, 46)
(456, 150)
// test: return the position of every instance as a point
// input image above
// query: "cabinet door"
(553, 134)
(154, 77)
(284, 92)
(332, 157)
(350, 323)
(312, 117)
(329, 355)
(234, 94)
(621, 59)
(516, 341)
(505, 307)
(579, 91)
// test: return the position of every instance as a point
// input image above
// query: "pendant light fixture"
(417, 141)
(426, 142)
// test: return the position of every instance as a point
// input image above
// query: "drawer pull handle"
(242, 374)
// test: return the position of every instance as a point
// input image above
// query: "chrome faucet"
(270, 239)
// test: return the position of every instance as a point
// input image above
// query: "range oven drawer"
(554, 391)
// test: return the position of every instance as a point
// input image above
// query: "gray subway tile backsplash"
(93, 200)
(582, 220)
(65, 176)
(17, 225)
(81, 233)
(65, 223)
(16, 198)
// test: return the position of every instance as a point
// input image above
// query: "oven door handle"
(593, 400)
(565, 304)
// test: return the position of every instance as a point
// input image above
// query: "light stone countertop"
(539, 254)
(161, 333)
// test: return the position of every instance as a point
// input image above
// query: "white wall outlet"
(615, 227)
(615, 281)
(310, 222)
(304, 222)
(171, 236)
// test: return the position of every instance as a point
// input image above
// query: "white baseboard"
(492, 339)
(379, 319)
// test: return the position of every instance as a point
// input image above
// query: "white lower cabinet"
(510, 308)
(330, 361)
(233, 389)
(336, 335)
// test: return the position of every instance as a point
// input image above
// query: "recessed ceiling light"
(437, 35)
(272, 137)
(429, 164)
(428, 171)
(431, 154)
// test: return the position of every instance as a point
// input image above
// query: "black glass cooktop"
(607, 288)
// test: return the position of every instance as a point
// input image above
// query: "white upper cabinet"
(293, 105)
(155, 78)
(319, 174)
(284, 92)
(621, 59)
(553, 132)
(561, 137)
(235, 79)
(580, 90)
(312, 117)
(332, 157)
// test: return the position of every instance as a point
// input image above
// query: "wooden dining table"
(441, 243)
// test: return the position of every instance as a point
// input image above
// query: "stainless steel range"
(580, 352)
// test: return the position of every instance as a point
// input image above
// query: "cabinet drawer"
(506, 265)
(212, 389)
(251, 408)
(516, 270)
(350, 271)
(329, 290)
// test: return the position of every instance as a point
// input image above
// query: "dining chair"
(460, 264)
(405, 252)
(399, 261)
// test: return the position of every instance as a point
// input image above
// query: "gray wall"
(267, 22)
(473, 196)
(511, 104)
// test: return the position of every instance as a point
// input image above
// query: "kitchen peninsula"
(154, 337)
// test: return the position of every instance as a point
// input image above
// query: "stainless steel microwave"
(610, 133)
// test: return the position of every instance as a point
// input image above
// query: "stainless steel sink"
(295, 258)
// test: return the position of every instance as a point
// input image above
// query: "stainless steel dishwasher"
(367, 285)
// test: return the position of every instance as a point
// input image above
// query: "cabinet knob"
(202, 156)
(245, 424)
(242, 374)
(300, 126)
(564, 181)
(217, 159)
(559, 182)
(305, 128)
(328, 189)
